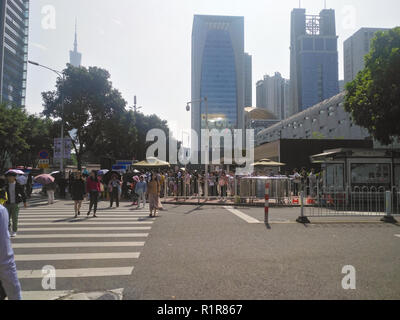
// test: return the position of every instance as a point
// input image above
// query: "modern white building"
(355, 48)
(218, 72)
(273, 94)
(326, 120)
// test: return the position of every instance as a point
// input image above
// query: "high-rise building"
(273, 95)
(248, 82)
(355, 48)
(218, 72)
(314, 73)
(75, 57)
(14, 29)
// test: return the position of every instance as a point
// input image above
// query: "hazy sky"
(146, 44)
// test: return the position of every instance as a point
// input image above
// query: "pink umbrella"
(44, 179)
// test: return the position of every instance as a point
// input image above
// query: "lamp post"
(205, 100)
(61, 75)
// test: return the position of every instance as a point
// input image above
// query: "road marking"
(44, 295)
(397, 235)
(243, 216)
(81, 219)
(78, 273)
(76, 256)
(86, 229)
(76, 245)
(50, 216)
(81, 223)
(95, 235)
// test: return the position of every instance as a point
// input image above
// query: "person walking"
(9, 283)
(15, 195)
(223, 184)
(312, 179)
(113, 187)
(296, 182)
(50, 190)
(77, 190)
(153, 191)
(140, 190)
(93, 189)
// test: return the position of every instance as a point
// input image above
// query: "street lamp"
(205, 100)
(61, 75)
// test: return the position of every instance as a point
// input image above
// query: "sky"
(146, 44)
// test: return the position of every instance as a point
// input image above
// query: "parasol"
(16, 171)
(268, 163)
(152, 162)
(44, 179)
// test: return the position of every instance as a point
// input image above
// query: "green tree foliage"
(90, 102)
(22, 136)
(38, 136)
(373, 98)
(104, 128)
(12, 140)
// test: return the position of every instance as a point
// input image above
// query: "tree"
(38, 135)
(13, 120)
(90, 102)
(373, 98)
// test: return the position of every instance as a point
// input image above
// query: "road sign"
(58, 148)
(44, 163)
(44, 154)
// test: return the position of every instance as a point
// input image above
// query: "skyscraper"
(218, 72)
(273, 95)
(14, 29)
(355, 49)
(248, 76)
(75, 57)
(314, 74)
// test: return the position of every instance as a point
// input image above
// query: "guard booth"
(359, 168)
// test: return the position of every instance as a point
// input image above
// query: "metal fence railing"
(237, 189)
(357, 201)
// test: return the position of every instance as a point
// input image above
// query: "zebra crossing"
(87, 253)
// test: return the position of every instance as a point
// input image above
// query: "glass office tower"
(218, 72)
(14, 28)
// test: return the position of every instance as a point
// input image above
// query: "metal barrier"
(359, 201)
(249, 190)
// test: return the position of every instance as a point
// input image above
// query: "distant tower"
(75, 57)
(314, 71)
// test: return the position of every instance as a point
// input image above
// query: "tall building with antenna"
(75, 57)
(314, 67)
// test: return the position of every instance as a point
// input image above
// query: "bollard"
(388, 218)
(266, 206)
(302, 218)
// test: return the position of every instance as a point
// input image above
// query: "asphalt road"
(203, 253)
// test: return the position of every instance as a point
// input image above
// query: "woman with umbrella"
(48, 181)
(93, 189)
(77, 192)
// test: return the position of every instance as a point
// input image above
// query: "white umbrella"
(16, 171)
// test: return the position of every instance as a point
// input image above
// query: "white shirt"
(11, 192)
(8, 270)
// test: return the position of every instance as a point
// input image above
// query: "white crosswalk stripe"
(85, 247)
